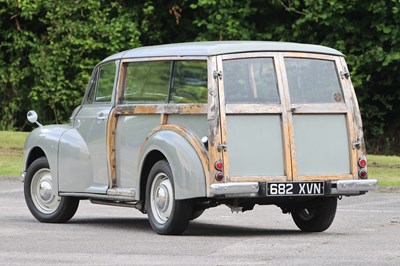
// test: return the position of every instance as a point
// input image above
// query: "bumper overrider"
(330, 188)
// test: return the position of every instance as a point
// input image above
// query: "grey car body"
(235, 123)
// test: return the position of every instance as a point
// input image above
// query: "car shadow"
(205, 229)
(195, 228)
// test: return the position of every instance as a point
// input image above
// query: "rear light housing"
(219, 166)
(362, 165)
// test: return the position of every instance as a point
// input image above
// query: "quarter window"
(313, 81)
(166, 81)
(250, 80)
(190, 82)
(147, 82)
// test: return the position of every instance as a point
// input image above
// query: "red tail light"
(219, 165)
(362, 173)
(219, 176)
(362, 162)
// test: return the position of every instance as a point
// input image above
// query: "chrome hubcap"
(161, 198)
(42, 192)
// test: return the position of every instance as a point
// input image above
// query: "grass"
(384, 168)
(11, 152)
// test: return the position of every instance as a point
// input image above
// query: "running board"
(137, 205)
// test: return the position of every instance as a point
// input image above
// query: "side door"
(83, 150)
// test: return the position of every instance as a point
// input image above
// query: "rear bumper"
(332, 188)
(349, 187)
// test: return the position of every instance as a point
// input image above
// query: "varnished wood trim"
(248, 55)
(222, 154)
(324, 177)
(257, 178)
(111, 126)
(320, 108)
(253, 109)
(290, 151)
(309, 55)
(214, 119)
(192, 139)
(164, 58)
(164, 119)
(131, 109)
(285, 120)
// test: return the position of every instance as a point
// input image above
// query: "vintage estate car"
(172, 130)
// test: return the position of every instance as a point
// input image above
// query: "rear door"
(285, 117)
(319, 113)
(253, 118)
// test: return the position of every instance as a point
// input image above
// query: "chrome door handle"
(100, 118)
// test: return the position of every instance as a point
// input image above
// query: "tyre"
(44, 205)
(316, 216)
(167, 216)
(196, 214)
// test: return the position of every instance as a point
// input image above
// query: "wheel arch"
(185, 154)
(34, 154)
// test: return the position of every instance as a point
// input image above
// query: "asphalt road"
(366, 230)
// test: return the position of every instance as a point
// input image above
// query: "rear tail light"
(219, 176)
(219, 166)
(362, 173)
(362, 164)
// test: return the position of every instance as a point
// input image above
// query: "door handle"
(100, 118)
(294, 108)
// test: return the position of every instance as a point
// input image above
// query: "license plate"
(296, 188)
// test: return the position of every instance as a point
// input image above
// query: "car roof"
(219, 48)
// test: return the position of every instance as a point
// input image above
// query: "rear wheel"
(45, 205)
(167, 215)
(315, 216)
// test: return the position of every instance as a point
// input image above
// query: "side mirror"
(32, 117)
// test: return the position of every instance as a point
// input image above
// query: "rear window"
(313, 81)
(250, 80)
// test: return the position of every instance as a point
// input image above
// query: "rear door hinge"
(217, 74)
(344, 73)
(222, 147)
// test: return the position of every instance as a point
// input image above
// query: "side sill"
(99, 196)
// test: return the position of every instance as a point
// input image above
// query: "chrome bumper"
(346, 187)
(246, 188)
(252, 189)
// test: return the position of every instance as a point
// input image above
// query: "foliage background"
(49, 48)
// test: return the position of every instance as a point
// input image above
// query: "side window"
(313, 81)
(102, 84)
(105, 84)
(147, 82)
(92, 89)
(250, 80)
(189, 84)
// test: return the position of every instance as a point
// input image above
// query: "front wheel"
(46, 206)
(315, 216)
(167, 215)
